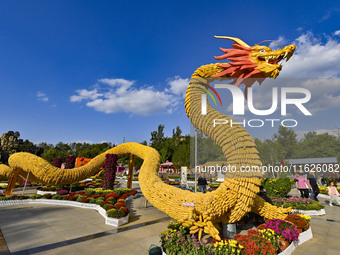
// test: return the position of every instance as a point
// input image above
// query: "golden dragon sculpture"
(236, 196)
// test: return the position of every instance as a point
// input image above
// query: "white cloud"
(178, 85)
(123, 96)
(313, 59)
(281, 40)
(42, 96)
(84, 94)
(337, 32)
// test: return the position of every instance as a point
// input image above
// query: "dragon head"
(257, 62)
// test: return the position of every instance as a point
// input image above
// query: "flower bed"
(18, 184)
(172, 183)
(274, 237)
(82, 185)
(109, 204)
(297, 203)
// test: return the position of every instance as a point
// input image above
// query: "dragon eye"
(262, 50)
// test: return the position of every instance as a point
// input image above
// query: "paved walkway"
(47, 229)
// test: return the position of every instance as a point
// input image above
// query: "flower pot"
(283, 244)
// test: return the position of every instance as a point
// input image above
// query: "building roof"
(312, 161)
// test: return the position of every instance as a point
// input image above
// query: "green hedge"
(279, 187)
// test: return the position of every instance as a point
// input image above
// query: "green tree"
(286, 139)
(317, 146)
(53, 153)
(93, 150)
(181, 155)
(207, 149)
(157, 138)
(268, 151)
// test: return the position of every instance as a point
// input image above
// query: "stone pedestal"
(229, 230)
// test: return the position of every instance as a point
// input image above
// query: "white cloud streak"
(42, 97)
(313, 59)
(121, 95)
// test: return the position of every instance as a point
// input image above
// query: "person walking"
(333, 193)
(202, 182)
(313, 183)
(302, 185)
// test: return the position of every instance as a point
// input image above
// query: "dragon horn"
(237, 40)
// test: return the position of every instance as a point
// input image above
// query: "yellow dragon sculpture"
(235, 196)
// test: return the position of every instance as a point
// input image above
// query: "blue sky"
(103, 70)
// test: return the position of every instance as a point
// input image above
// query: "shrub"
(279, 187)
(62, 192)
(111, 200)
(124, 195)
(283, 228)
(121, 191)
(99, 201)
(56, 197)
(254, 244)
(115, 213)
(92, 200)
(85, 200)
(47, 196)
(125, 209)
(112, 194)
(119, 205)
(36, 196)
(80, 198)
(107, 206)
(90, 192)
(298, 221)
(271, 236)
(297, 203)
(133, 192)
(120, 200)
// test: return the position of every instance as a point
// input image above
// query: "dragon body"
(237, 195)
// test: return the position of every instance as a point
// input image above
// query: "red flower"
(115, 195)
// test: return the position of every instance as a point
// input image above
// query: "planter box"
(310, 212)
(288, 250)
(39, 192)
(305, 236)
(117, 222)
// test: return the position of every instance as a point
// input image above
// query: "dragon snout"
(291, 47)
(289, 51)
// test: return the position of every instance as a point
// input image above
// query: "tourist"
(202, 182)
(315, 188)
(333, 193)
(302, 185)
